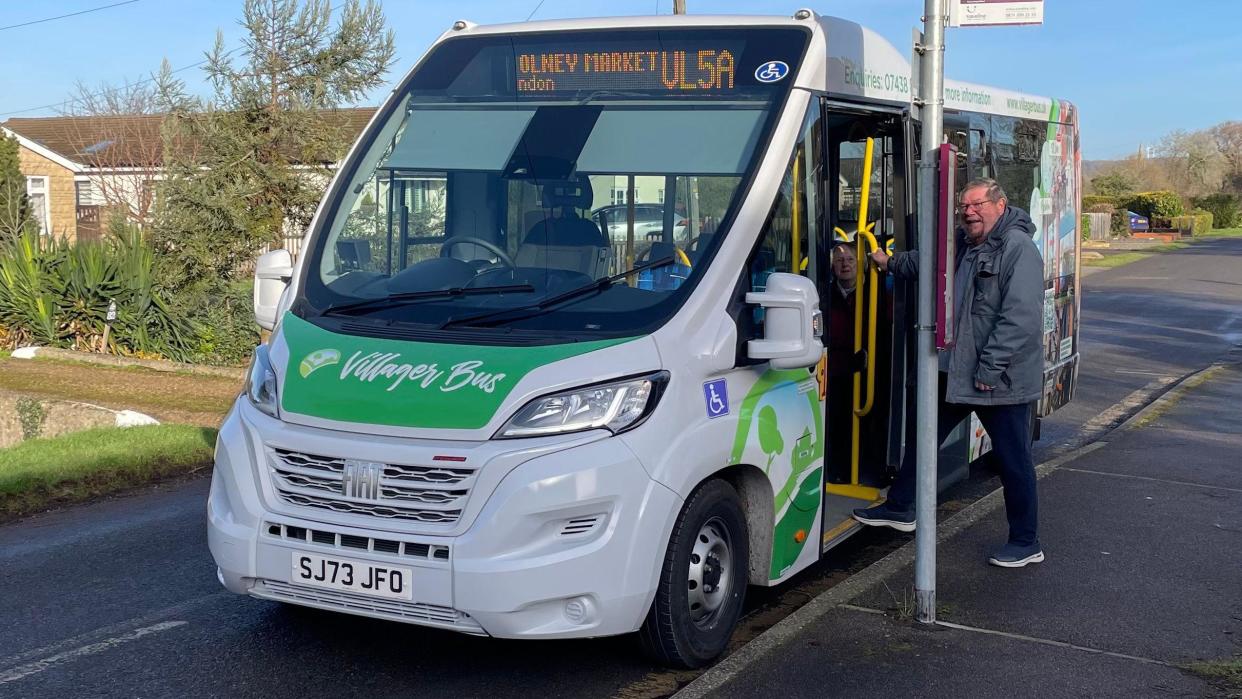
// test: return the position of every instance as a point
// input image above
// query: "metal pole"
(931, 99)
(679, 7)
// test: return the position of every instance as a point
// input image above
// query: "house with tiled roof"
(78, 168)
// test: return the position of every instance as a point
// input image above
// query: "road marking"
(116, 629)
(1137, 399)
(38, 666)
(1139, 373)
(1155, 480)
(1021, 637)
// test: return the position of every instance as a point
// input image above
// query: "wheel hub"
(710, 579)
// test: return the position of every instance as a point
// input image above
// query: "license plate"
(359, 577)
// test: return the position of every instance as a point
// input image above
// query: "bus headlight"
(261, 382)
(616, 406)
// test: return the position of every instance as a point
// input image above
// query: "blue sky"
(1137, 69)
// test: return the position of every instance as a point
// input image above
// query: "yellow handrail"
(873, 303)
(863, 236)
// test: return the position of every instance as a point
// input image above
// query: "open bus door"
(868, 202)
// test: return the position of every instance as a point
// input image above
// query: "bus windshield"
(530, 173)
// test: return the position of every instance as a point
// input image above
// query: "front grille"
(430, 614)
(408, 549)
(425, 494)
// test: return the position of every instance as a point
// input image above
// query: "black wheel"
(703, 580)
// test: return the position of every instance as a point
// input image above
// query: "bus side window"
(851, 158)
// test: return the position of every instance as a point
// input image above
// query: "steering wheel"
(448, 244)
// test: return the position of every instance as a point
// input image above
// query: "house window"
(618, 196)
(40, 210)
(86, 193)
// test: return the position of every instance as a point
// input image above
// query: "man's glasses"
(964, 206)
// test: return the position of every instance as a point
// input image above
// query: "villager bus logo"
(318, 359)
(390, 368)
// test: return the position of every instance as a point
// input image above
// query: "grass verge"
(1118, 260)
(72, 468)
(1223, 233)
(1225, 674)
(170, 397)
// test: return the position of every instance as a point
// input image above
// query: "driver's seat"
(569, 242)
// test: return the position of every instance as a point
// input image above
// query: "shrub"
(1093, 200)
(56, 293)
(227, 331)
(1197, 222)
(1084, 227)
(1160, 206)
(1226, 209)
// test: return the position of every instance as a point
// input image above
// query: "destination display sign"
(689, 69)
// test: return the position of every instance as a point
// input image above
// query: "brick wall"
(62, 193)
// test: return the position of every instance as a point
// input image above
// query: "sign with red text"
(992, 13)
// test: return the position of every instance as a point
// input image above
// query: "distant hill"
(1091, 168)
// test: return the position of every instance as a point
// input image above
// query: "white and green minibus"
(551, 361)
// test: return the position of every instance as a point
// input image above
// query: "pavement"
(1143, 577)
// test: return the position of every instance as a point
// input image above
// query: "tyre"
(702, 582)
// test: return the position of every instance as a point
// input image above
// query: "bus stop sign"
(991, 13)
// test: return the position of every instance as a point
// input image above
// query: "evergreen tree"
(249, 166)
(14, 207)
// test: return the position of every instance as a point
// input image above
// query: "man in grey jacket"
(995, 368)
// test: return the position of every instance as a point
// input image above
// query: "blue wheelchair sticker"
(772, 71)
(716, 397)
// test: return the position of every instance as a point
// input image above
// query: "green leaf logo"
(318, 358)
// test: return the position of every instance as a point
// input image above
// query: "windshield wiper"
(539, 307)
(401, 298)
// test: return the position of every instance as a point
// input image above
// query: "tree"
(117, 131)
(14, 207)
(1228, 139)
(1138, 171)
(1196, 165)
(1115, 183)
(249, 166)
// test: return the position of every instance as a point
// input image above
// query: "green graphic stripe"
(797, 501)
(406, 384)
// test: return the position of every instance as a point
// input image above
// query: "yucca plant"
(57, 293)
(89, 278)
(145, 313)
(29, 290)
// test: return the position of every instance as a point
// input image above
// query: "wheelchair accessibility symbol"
(716, 398)
(772, 71)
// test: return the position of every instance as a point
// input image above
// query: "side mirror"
(792, 325)
(271, 276)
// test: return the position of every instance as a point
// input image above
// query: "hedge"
(1226, 209)
(1094, 200)
(1159, 206)
(1197, 223)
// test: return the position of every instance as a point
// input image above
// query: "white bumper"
(557, 541)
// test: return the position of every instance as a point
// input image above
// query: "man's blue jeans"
(1009, 426)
